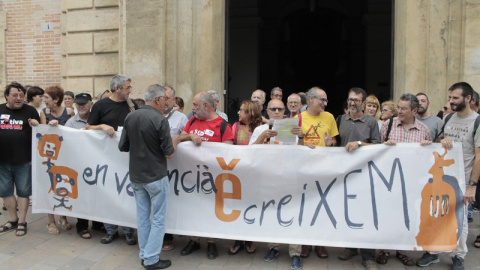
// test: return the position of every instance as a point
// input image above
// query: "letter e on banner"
(221, 195)
(236, 194)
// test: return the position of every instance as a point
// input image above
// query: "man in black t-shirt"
(16, 121)
(107, 115)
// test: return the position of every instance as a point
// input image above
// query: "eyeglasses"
(386, 110)
(403, 109)
(322, 99)
(353, 100)
(277, 109)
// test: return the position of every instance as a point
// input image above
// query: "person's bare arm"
(266, 134)
(354, 145)
(184, 136)
(106, 128)
(471, 190)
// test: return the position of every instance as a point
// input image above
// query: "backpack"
(389, 128)
(475, 125)
(131, 105)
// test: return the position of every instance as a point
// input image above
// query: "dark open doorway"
(297, 44)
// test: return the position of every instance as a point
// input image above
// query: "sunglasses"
(277, 109)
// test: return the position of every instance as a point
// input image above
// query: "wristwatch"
(472, 183)
(359, 143)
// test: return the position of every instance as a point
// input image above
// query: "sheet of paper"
(284, 127)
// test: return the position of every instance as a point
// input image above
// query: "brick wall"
(33, 56)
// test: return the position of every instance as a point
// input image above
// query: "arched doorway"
(297, 44)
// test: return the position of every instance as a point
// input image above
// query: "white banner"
(394, 197)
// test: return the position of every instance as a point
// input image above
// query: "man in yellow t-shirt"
(318, 126)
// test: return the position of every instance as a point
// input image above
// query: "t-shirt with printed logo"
(16, 134)
(209, 131)
(314, 127)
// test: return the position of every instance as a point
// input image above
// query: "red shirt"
(209, 131)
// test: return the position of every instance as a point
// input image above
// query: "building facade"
(80, 44)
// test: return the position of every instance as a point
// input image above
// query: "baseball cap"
(82, 98)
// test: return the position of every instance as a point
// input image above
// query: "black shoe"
(189, 248)
(212, 251)
(161, 264)
(97, 226)
(109, 238)
(129, 239)
(458, 263)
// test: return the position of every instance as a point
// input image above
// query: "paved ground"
(40, 250)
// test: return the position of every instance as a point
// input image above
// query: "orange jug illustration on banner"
(441, 210)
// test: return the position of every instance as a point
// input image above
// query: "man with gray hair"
(294, 104)
(259, 96)
(146, 136)
(107, 115)
(216, 100)
(83, 102)
(404, 129)
(177, 122)
(276, 93)
(206, 126)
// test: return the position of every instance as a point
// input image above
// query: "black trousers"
(82, 224)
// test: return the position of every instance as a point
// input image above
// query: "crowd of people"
(154, 126)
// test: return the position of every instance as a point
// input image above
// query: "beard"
(458, 107)
(353, 109)
(422, 110)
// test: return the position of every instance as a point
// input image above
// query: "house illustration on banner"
(63, 180)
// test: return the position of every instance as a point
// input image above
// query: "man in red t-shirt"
(205, 126)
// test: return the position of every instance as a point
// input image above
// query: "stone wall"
(90, 44)
(181, 43)
(436, 44)
(152, 41)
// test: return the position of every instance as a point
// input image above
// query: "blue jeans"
(18, 176)
(151, 199)
(112, 229)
